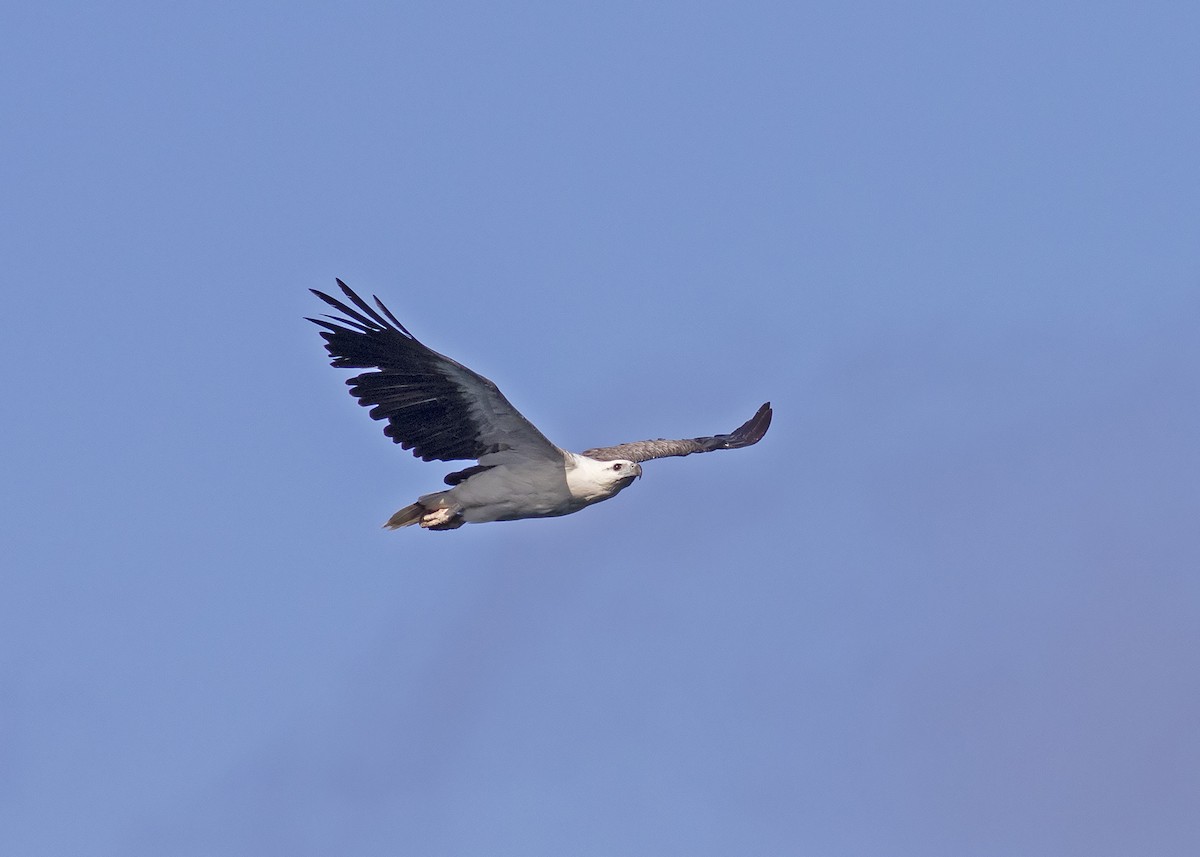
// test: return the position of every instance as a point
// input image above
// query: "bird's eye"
(618, 466)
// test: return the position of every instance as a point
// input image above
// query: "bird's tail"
(406, 517)
(432, 512)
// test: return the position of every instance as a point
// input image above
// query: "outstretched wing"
(434, 406)
(747, 434)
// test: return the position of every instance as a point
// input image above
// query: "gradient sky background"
(949, 606)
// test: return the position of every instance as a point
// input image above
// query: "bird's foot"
(442, 519)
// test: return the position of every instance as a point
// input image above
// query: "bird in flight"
(442, 410)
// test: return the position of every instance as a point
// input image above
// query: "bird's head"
(621, 473)
(591, 479)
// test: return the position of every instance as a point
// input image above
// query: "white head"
(592, 480)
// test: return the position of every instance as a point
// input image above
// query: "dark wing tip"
(359, 314)
(752, 430)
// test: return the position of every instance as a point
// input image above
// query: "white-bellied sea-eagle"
(442, 410)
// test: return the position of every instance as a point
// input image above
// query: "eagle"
(443, 411)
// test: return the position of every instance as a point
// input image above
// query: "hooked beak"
(631, 475)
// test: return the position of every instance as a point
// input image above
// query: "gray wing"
(747, 434)
(433, 405)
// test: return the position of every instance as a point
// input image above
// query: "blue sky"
(950, 605)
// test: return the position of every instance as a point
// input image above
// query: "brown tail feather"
(406, 517)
